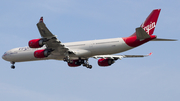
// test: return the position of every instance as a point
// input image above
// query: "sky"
(153, 78)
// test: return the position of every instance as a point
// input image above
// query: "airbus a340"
(78, 53)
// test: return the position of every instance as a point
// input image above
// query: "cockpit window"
(5, 54)
(9, 53)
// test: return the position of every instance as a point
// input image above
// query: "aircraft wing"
(52, 42)
(115, 57)
(44, 31)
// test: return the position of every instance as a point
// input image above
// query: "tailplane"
(159, 39)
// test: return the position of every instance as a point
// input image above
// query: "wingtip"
(41, 19)
(150, 54)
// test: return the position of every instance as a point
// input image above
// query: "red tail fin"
(150, 22)
(142, 37)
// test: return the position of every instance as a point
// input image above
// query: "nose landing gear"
(12, 66)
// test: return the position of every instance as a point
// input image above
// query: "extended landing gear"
(77, 62)
(86, 64)
(12, 66)
(66, 59)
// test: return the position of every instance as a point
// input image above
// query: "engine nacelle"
(42, 53)
(36, 43)
(74, 63)
(105, 62)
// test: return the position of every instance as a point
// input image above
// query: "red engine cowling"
(36, 43)
(74, 63)
(105, 62)
(41, 53)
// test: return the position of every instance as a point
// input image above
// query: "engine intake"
(105, 62)
(36, 43)
(42, 53)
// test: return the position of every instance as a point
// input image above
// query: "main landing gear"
(66, 58)
(80, 61)
(12, 66)
(86, 64)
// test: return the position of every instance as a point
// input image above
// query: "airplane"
(78, 53)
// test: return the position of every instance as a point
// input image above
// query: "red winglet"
(41, 19)
(150, 54)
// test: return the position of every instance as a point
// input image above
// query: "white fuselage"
(83, 48)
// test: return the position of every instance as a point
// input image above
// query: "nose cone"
(4, 56)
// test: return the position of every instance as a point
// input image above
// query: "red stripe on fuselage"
(132, 41)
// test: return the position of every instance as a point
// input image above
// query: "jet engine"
(36, 43)
(42, 53)
(105, 62)
(74, 63)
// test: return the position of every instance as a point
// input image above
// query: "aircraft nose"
(4, 56)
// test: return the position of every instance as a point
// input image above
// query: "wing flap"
(108, 56)
(120, 56)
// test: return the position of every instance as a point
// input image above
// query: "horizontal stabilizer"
(158, 39)
(141, 34)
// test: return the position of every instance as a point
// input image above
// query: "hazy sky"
(154, 78)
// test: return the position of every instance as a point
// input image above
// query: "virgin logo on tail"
(149, 27)
(151, 21)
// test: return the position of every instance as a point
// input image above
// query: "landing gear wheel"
(13, 67)
(86, 64)
(89, 66)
